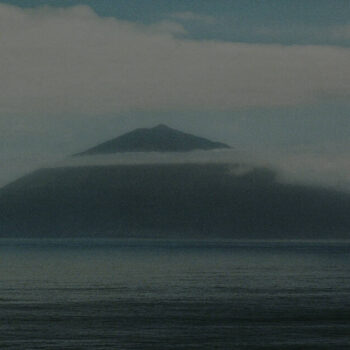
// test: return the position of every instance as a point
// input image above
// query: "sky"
(270, 78)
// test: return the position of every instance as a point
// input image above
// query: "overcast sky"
(267, 77)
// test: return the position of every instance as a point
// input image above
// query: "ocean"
(174, 294)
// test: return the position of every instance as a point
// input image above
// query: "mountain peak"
(160, 138)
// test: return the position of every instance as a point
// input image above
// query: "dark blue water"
(144, 294)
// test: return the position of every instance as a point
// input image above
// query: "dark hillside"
(169, 200)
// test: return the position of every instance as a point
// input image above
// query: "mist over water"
(174, 294)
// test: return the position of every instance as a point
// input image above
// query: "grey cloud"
(316, 169)
(57, 61)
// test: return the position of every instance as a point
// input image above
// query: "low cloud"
(316, 169)
(69, 60)
(325, 170)
(307, 167)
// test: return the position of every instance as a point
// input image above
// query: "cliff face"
(177, 200)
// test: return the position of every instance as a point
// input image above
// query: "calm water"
(142, 294)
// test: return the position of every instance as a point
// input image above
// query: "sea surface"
(174, 294)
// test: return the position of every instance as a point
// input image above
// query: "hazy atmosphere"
(174, 174)
(268, 78)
